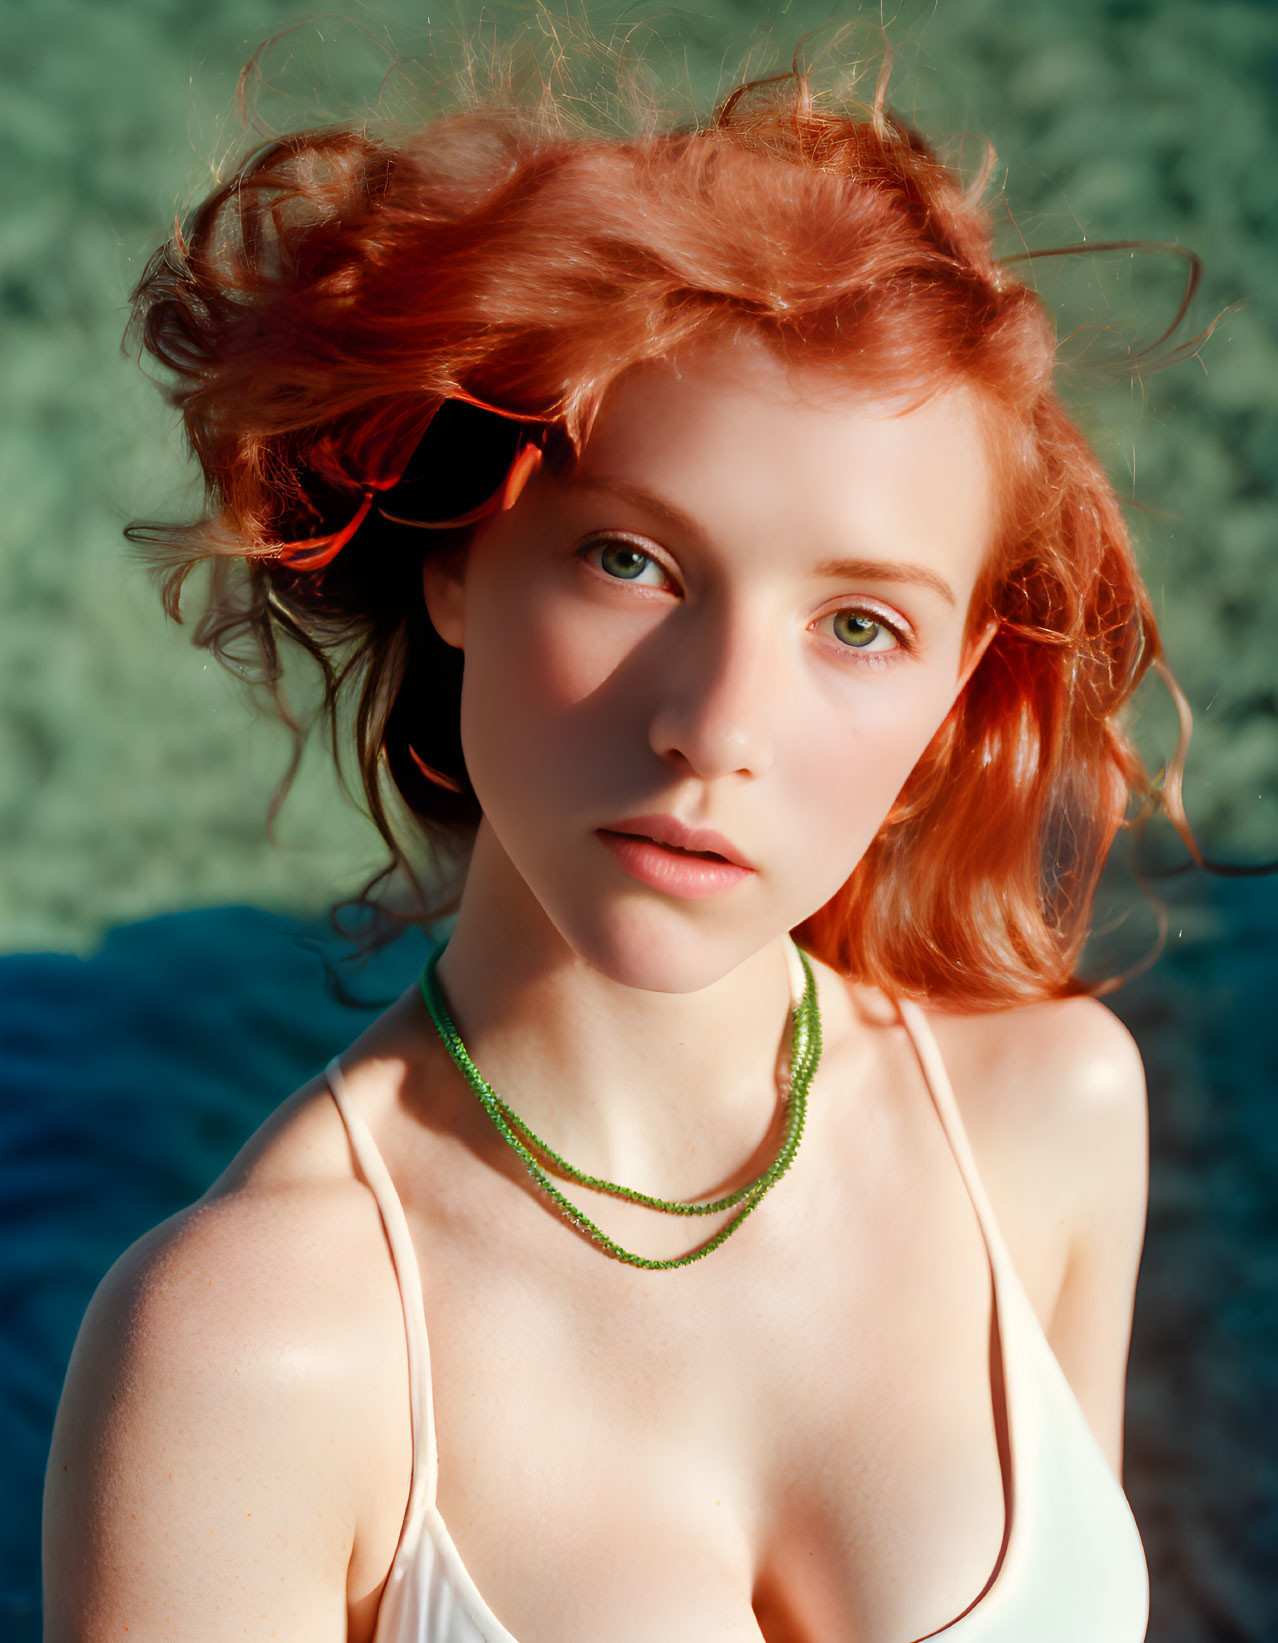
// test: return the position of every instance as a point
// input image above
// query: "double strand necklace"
(542, 1161)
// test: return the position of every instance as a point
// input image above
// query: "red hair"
(331, 295)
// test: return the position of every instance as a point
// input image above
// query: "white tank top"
(1072, 1571)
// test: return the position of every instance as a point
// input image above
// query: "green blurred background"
(134, 780)
(130, 778)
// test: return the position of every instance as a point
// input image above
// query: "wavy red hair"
(326, 299)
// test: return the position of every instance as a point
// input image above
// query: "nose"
(715, 712)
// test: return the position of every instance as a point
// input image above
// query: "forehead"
(741, 442)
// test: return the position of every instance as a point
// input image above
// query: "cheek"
(533, 666)
(847, 763)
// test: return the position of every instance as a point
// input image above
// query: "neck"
(671, 1092)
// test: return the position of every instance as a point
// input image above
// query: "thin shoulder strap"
(408, 1275)
(942, 1092)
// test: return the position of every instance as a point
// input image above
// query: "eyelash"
(598, 543)
(904, 639)
(874, 658)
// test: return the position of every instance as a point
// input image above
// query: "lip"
(669, 830)
(671, 871)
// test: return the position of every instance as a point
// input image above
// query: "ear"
(977, 645)
(444, 590)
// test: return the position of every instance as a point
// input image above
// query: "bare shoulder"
(1061, 1074)
(279, 1249)
(210, 1466)
(1053, 1099)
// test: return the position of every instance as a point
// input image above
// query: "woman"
(694, 521)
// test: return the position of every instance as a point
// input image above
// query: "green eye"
(857, 631)
(619, 559)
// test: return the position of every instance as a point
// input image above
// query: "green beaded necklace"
(805, 1054)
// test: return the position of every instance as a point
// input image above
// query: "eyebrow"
(838, 570)
(886, 570)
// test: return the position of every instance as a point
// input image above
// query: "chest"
(797, 1439)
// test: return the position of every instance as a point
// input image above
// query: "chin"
(661, 949)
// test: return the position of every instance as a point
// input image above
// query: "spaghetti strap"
(942, 1091)
(408, 1275)
(429, 1595)
(1072, 1549)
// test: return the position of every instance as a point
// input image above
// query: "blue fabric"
(127, 1082)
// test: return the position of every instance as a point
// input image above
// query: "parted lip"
(670, 830)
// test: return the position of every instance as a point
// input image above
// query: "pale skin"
(797, 1438)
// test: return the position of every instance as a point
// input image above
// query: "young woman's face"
(745, 612)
